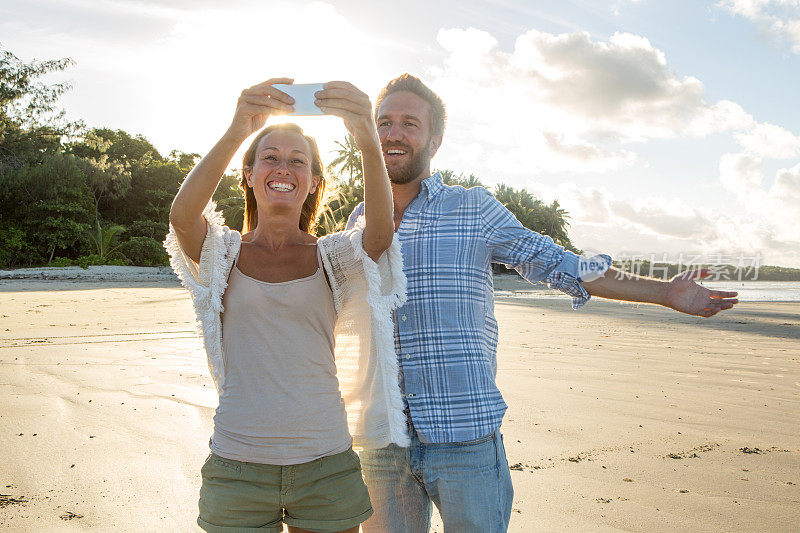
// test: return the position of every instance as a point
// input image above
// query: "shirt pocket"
(456, 243)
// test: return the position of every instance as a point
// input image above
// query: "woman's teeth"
(281, 187)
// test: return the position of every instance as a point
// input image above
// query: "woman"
(268, 302)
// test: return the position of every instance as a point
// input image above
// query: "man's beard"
(411, 170)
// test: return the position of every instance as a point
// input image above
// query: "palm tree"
(556, 221)
(347, 187)
(348, 159)
(103, 238)
(518, 201)
(449, 177)
(344, 198)
(550, 220)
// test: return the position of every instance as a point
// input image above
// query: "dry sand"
(621, 417)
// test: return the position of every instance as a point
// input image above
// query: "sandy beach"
(621, 417)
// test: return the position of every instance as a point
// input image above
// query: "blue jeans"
(469, 482)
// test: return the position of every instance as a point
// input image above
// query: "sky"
(667, 129)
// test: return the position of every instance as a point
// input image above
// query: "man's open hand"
(686, 296)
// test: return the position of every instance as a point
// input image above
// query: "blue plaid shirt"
(446, 333)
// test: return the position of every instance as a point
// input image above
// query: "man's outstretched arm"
(680, 293)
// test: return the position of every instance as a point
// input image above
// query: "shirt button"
(408, 356)
(403, 318)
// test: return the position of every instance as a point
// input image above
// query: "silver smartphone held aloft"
(303, 94)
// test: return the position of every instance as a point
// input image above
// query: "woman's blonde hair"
(314, 202)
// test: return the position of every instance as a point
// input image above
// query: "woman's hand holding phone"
(344, 100)
(256, 104)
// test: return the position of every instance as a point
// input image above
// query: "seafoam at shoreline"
(92, 273)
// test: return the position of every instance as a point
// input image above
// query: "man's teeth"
(282, 187)
(396, 152)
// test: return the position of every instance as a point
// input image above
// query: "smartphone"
(303, 94)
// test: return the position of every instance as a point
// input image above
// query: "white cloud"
(586, 206)
(665, 217)
(769, 140)
(741, 174)
(775, 207)
(621, 78)
(585, 152)
(778, 206)
(671, 229)
(782, 202)
(787, 187)
(567, 102)
(780, 19)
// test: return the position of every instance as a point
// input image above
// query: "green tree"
(50, 203)
(346, 195)
(347, 161)
(556, 221)
(230, 201)
(144, 251)
(23, 96)
(14, 247)
(132, 184)
(43, 197)
(30, 123)
(141, 183)
(345, 185)
(108, 179)
(52, 192)
(103, 238)
(550, 220)
(449, 177)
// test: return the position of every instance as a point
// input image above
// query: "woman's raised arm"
(255, 105)
(344, 100)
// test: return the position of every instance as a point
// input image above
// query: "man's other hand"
(686, 296)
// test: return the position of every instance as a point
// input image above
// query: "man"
(446, 333)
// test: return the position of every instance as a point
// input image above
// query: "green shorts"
(324, 495)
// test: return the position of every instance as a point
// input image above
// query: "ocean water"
(760, 291)
(749, 291)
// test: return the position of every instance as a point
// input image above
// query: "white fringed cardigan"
(364, 295)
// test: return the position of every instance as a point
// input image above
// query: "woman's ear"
(248, 172)
(316, 180)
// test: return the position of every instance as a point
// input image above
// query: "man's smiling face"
(404, 127)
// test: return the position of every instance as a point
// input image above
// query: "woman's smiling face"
(281, 172)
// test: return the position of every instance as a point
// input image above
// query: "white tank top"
(280, 403)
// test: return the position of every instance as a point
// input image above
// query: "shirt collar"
(433, 185)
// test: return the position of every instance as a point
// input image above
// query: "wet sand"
(621, 417)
